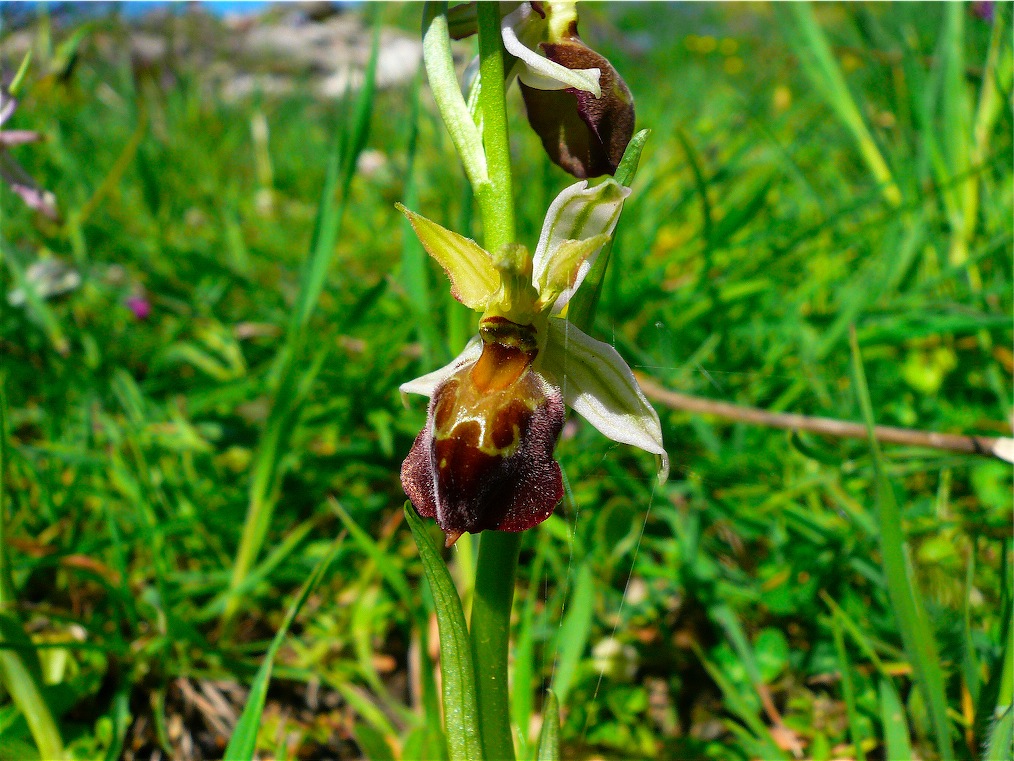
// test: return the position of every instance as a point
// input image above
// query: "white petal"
(427, 384)
(598, 384)
(1004, 449)
(578, 213)
(538, 71)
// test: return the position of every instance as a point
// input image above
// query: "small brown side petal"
(583, 134)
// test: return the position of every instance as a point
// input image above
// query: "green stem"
(496, 201)
(498, 551)
(490, 631)
(6, 578)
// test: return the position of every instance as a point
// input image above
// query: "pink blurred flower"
(11, 171)
(140, 306)
(984, 10)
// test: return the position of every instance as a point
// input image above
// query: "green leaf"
(848, 688)
(524, 647)
(574, 632)
(20, 672)
(913, 623)
(389, 569)
(464, 741)
(372, 743)
(1000, 742)
(892, 716)
(549, 736)
(243, 743)
(736, 704)
(21, 678)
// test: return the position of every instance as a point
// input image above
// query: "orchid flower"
(576, 101)
(484, 460)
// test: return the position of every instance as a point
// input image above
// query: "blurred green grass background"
(808, 170)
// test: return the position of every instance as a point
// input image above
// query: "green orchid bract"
(484, 460)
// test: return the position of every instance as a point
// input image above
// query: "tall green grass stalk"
(848, 689)
(906, 599)
(20, 673)
(243, 744)
(464, 740)
(1000, 739)
(808, 41)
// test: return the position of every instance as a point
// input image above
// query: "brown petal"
(583, 134)
(485, 458)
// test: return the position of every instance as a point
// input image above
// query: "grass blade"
(7, 598)
(848, 688)
(892, 716)
(574, 632)
(243, 744)
(372, 743)
(759, 733)
(20, 673)
(916, 632)
(1000, 739)
(807, 40)
(549, 736)
(464, 741)
(22, 680)
(524, 650)
(121, 722)
(1000, 743)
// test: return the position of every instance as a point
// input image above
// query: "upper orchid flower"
(485, 458)
(576, 101)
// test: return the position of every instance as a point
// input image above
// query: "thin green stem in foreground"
(498, 551)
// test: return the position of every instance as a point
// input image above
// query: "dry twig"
(990, 446)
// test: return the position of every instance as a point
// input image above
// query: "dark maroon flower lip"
(485, 458)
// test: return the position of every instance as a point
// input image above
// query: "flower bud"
(582, 134)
